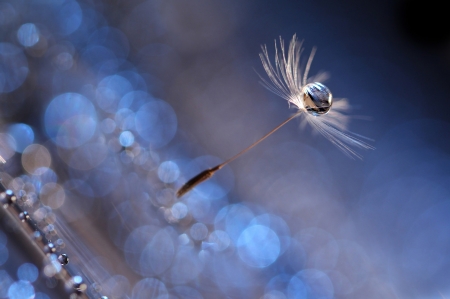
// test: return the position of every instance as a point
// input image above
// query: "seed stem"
(208, 173)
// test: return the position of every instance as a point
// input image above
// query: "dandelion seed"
(312, 99)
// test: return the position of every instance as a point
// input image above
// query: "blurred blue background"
(108, 107)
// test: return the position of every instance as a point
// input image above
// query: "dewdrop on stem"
(312, 99)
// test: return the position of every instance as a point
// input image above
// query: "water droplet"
(24, 216)
(63, 259)
(7, 197)
(37, 236)
(49, 248)
(317, 98)
(78, 284)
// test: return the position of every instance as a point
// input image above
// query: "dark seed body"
(201, 177)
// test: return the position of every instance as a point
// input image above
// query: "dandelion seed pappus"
(312, 99)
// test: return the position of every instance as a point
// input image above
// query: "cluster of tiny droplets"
(44, 232)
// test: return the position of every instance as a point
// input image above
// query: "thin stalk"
(208, 173)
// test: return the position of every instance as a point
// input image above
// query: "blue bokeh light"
(125, 119)
(198, 231)
(70, 120)
(179, 210)
(310, 283)
(158, 255)
(168, 172)
(21, 290)
(28, 35)
(278, 225)
(126, 138)
(68, 17)
(186, 266)
(44, 175)
(135, 244)
(156, 123)
(64, 61)
(23, 135)
(234, 219)
(110, 91)
(297, 289)
(258, 246)
(28, 272)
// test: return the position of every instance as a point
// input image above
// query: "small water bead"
(317, 98)
(37, 236)
(49, 248)
(63, 259)
(7, 197)
(78, 284)
(24, 216)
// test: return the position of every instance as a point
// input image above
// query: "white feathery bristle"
(287, 79)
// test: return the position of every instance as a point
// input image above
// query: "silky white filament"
(309, 96)
(287, 80)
